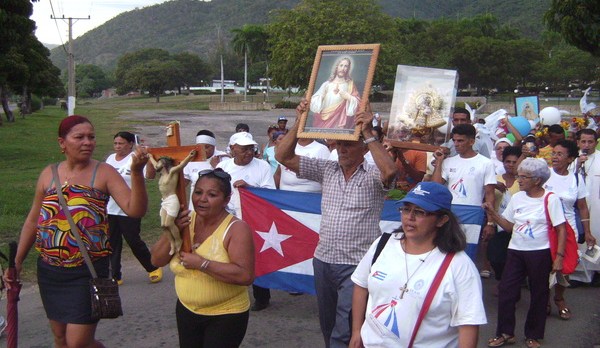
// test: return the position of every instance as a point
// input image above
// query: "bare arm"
(493, 216)
(359, 308)
(584, 213)
(380, 155)
(467, 336)
(439, 157)
(557, 265)
(240, 248)
(277, 176)
(285, 152)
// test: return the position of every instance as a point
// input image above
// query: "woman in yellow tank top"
(211, 281)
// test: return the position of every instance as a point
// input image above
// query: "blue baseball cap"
(430, 196)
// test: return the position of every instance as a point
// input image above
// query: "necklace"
(404, 288)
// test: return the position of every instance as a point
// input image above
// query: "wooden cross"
(178, 153)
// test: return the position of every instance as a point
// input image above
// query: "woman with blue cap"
(417, 287)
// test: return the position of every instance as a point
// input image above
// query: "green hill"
(195, 26)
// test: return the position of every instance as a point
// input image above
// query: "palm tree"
(251, 40)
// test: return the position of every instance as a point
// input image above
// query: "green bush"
(50, 101)
(286, 105)
(36, 103)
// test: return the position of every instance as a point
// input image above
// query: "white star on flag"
(273, 239)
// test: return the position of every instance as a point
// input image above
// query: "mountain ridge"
(194, 26)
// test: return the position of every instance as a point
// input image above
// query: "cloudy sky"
(57, 32)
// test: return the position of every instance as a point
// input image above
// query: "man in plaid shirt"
(353, 195)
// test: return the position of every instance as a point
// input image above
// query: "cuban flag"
(285, 228)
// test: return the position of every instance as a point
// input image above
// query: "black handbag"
(104, 292)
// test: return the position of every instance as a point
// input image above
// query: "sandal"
(501, 340)
(563, 312)
(156, 275)
(532, 343)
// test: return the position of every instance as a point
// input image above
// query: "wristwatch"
(370, 140)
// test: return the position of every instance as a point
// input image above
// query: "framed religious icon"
(422, 104)
(528, 107)
(339, 88)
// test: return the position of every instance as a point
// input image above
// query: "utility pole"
(71, 65)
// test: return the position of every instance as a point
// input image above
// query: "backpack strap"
(382, 242)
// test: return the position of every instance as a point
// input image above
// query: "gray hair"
(537, 167)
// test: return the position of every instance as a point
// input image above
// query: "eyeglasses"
(524, 177)
(219, 173)
(417, 212)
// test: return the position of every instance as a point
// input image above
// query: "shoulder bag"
(104, 292)
(571, 258)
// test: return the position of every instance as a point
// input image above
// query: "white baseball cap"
(242, 139)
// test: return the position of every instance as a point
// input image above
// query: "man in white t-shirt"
(462, 116)
(470, 177)
(287, 179)
(247, 171)
(206, 139)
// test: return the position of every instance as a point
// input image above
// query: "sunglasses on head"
(219, 173)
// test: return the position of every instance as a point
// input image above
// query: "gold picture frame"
(343, 75)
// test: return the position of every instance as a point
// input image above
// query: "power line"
(62, 44)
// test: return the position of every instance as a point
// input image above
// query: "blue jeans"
(334, 298)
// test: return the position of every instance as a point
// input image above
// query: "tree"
(129, 61)
(295, 34)
(15, 26)
(154, 76)
(250, 40)
(91, 80)
(193, 69)
(577, 22)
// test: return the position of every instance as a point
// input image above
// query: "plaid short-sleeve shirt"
(350, 210)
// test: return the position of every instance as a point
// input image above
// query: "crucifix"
(178, 153)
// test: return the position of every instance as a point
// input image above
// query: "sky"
(56, 32)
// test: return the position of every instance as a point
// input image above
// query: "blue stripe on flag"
(291, 282)
(290, 200)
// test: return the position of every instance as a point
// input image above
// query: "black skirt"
(65, 291)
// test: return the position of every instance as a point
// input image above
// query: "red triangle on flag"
(274, 231)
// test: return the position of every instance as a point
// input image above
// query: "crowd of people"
(413, 287)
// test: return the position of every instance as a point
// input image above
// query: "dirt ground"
(290, 321)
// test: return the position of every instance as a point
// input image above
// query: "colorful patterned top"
(54, 240)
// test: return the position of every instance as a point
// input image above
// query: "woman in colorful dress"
(87, 184)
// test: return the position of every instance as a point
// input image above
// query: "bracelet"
(560, 254)
(491, 223)
(370, 140)
(204, 264)
(582, 220)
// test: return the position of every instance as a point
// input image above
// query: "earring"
(62, 150)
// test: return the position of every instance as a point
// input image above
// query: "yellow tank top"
(201, 293)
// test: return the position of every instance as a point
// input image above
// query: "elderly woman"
(211, 281)
(87, 184)
(528, 252)
(390, 288)
(572, 191)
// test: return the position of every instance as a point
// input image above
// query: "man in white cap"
(247, 171)
(206, 139)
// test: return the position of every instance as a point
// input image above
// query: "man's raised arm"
(285, 151)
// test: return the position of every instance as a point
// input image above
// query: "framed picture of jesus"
(339, 88)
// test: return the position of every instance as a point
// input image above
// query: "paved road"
(291, 321)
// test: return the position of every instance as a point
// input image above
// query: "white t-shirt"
(390, 320)
(565, 187)
(530, 230)
(257, 173)
(124, 168)
(466, 178)
(289, 181)
(190, 172)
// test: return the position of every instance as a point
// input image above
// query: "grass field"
(30, 144)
